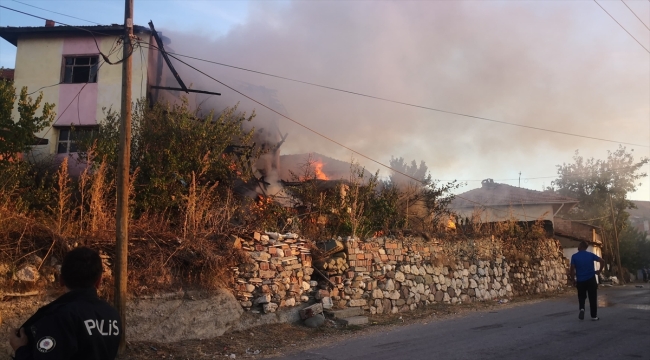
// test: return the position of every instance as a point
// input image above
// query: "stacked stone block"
(279, 273)
(389, 275)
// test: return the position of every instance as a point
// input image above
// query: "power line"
(91, 32)
(356, 93)
(642, 22)
(326, 87)
(52, 11)
(57, 22)
(403, 103)
(297, 122)
(570, 175)
(334, 141)
(619, 24)
(76, 97)
(111, 52)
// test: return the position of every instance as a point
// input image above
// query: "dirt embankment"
(274, 340)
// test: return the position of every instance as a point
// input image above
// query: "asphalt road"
(545, 330)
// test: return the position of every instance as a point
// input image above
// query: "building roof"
(11, 33)
(495, 194)
(6, 74)
(577, 230)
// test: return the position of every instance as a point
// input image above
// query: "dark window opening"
(80, 69)
(69, 136)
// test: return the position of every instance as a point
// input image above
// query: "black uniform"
(77, 325)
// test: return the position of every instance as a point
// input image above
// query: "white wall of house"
(522, 212)
(568, 252)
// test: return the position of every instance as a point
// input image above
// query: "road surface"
(545, 330)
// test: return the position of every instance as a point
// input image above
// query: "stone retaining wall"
(385, 275)
(278, 275)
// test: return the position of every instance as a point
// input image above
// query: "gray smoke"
(558, 65)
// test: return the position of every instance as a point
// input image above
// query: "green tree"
(22, 183)
(601, 186)
(18, 134)
(420, 203)
(170, 145)
(635, 248)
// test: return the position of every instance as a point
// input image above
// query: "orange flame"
(318, 170)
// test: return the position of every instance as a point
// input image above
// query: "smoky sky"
(565, 66)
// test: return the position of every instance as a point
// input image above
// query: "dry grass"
(163, 256)
(63, 194)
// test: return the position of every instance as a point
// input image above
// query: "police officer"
(77, 325)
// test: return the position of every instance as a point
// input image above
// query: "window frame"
(93, 68)
(69, 141)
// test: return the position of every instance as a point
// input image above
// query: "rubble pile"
(278, 275)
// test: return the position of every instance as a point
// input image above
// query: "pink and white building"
(66, 64)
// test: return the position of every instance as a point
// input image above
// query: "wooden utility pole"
(122, 213)
(618, 249)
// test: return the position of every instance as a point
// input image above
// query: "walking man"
(583, 269)
(78, 325)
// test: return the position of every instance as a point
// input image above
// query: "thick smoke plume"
(558, 65)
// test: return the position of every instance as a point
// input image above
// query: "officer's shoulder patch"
(46, 344)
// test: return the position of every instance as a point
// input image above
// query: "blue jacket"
(583, 261)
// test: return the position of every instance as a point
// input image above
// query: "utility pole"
(124, 156)
(618, 249)
(520, 179)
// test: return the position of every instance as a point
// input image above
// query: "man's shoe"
(595, 319)
(581, 316)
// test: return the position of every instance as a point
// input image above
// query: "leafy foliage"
(23, 184)
(635, 248)
(18, 134)
(364, 205)
(421, 203)
(601, 186)
(170, 145)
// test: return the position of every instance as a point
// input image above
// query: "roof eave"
(515, 204)
(12, 34)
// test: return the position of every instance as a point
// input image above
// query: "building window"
(80, 69)
(68, 137)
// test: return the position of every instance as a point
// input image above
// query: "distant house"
(571, 233)
(640, 217)
(7, 74)
(494, 202)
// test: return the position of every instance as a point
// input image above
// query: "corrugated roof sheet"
(495, 194)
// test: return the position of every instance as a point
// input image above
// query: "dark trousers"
(590, 288)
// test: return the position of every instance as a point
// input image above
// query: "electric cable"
(55, 12)
(403, 103)
(92, 33)
(361, 94)
(336, 142)
(632, 11)
(69, 104)
(111, 52)
(622, 27)
(330, 88)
